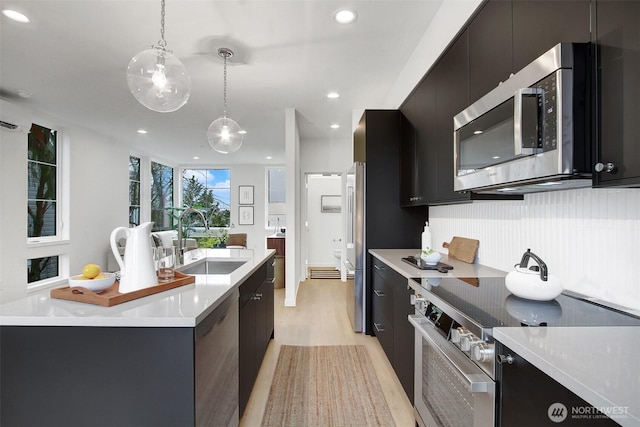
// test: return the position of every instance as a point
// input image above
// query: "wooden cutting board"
(463, 249)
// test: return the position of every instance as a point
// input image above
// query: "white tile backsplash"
(590, 238)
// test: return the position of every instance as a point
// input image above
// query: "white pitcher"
(137, 270)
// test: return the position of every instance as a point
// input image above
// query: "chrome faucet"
(180, 254)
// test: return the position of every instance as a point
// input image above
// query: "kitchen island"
(168, 359)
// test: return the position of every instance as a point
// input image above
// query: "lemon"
(90, 270)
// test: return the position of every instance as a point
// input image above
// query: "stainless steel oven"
(449, 389)
(463, 377)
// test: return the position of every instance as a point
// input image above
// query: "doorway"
(323, 225)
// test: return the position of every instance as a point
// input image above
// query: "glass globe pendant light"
(224, 134)
(157, 79)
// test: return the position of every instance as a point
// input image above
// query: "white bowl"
(432, 258)
(95, 285)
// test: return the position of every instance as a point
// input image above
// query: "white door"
(324, 219)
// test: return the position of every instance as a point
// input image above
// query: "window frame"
(54, 246)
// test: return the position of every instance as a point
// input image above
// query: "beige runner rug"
(325, 386)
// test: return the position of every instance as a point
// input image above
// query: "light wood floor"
(320, 318)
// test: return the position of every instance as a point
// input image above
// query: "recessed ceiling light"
(16, 16)
(24, 94)
(333, 95)
(335, 126)
(268, 157)
(495, 157)
(345, 16)
(142, 131)
(242, 132)
(196, 158)
(477, 132)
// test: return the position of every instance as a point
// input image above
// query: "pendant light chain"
(162, 43)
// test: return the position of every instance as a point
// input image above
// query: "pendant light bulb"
(157, 78)
(224, 134)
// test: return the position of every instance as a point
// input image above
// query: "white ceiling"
(288, 54)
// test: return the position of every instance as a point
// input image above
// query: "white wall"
(250, 175)
(293, 269)
(588, 237)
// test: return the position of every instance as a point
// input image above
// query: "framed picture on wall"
(245, 194)
(245, 215)
(330, 204)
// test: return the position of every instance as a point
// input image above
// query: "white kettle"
(137, 270)
(533, 282)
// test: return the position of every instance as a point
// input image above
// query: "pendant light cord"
(225, 84)
(162, 43)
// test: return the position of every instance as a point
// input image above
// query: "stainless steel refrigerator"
(355, 244)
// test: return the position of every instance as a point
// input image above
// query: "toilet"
(337, 253)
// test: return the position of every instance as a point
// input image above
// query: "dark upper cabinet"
(490, 48)
(452, 96)
(617, 38)
(540, 25)
(428, 148)
(419, 172)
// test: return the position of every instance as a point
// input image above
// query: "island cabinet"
(391, 306)
(122, 376)
(617, 39)
(256, 326)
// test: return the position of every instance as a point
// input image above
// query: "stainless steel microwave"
(531, 133)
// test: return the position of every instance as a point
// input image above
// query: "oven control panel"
(440, 320)
(475, 347)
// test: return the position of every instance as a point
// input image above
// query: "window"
(210, 191)
(161, 196)
(44, 213)
(43, 181)
(39, 269)
(134, 191)
(276, 191)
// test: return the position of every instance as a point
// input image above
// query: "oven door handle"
(477, 381)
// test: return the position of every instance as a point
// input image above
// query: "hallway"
(320, 318)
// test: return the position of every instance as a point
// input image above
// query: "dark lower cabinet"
(391, 306)
(122, 376)
(617, 39)
(256, 326)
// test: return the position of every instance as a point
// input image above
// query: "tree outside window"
(134, 191)
(208, 190)
(161, 196)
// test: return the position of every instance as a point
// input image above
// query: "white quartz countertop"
(599, 364)
(184, 306)
(393, 258)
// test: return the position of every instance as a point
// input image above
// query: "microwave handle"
(519, 95)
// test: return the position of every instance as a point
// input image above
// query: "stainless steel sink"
(211, 266)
